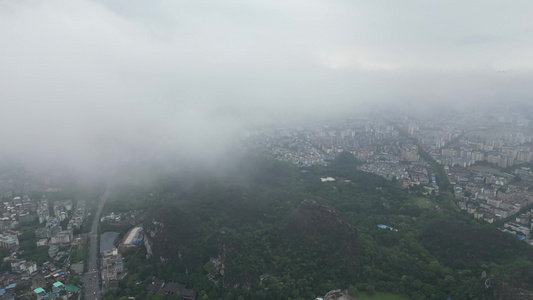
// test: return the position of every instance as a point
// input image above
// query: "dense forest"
(264, 229)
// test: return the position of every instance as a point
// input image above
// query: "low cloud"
(92, 81)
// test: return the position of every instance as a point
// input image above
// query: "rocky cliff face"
(151, 233)
(172, 234)
(148, 244)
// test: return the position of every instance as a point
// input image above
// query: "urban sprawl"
(484, 157)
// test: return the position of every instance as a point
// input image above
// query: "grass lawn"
(380, 296)
(423, 202)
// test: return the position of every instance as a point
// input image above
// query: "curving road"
(91, 279)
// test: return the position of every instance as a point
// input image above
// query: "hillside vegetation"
(264, 229)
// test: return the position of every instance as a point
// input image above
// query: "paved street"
(91, 279)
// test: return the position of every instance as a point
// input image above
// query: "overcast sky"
(82, 78)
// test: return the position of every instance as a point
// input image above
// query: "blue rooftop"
(385, 227)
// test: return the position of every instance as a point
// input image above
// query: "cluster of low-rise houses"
(489, 194)
(112, 267)
(501, 142)
(521, 226)
(478, 154)
(379, 147)
(78, 216)
(57, 291)
(55, 237)
(9, 239)
(28, 279)
(18, 210)
(31, 275)
(54, 223)
(430, 134)
(111, 217)
(52, 234)
(368, 140)
(482, 162)
(288, 146)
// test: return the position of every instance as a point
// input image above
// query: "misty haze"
(266, 150)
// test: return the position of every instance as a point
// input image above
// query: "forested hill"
(267, 230)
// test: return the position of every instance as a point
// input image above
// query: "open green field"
(380, 296)
(423, 202)
(490, 170)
